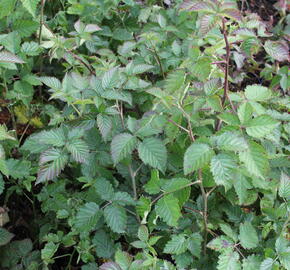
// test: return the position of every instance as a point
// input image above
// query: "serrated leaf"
(110, 266)
(207, 22)
(8, 6)
(257, 93)
(232, 13)
(30, 5)
(116, 218)
(245, 111)
(122, 146)
(255, 160)
(284, 187)
(105, 125)
(117, 95)
(174, 81)
(143, 233)
(87, 217)
(104, 189)
(104, 245)
(267, 264)
(48, 251)
(4, 134)
(252, 262)
(231, 141)
(222, 166)
(205, 6)
(279, 50)
(168, 209)
(229, 260)
(194, 244)
(52, 162)
(248, 236)
(174, 184)
(123, 198)
(143, 206)
(153, 185)
(110, 78)
(138, 69)
(196, 156)
(8, 57)
(261, 126)
(78, 149)
(25, 28)
(176, 245)
(241, 186)
(5, 236)
(153, 152)
(51, 82)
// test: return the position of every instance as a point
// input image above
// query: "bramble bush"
(144, 135)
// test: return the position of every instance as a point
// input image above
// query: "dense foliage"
(144, 134)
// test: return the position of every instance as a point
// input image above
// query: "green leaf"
(229, 260)
(105, 125)
(222, 166)
(194, 244)
(153, 152)
(52, 162)
(51, 82)
(267, 264)
(123, 198)
(48, 251)
(110, 266)
(143, 206)
(30, 5)
(207, 23)
(5, 236)
(255, 160)
(231, 141)
(7, 7)
(176, 245)
(8, 57)
(104, 189)
(2, 183)
(138, 69)
(4, 134)
(104, 245)
(116, 218)
(55, 137)
(122, 146)
(78, 149)
(168, 209)
(279, 50)
(110, 78)
(252, 262)
(284, 187)
(241, 186)
(153, 185)
(261, 126)
(174, 184)
(87, 217)
(196, 156)
(248, 236)
(245, 111)
(123, 259)
(257, 93)
(143, 233)
(229, 118)
(25, 28)
(174, 81)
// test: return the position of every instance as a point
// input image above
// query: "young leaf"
(248, 236)
(168, 209)
(122, 146)
(176, 245)
(153, 152)
(153, 185)
(116, 218)
(196, 156)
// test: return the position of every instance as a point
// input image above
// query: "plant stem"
(132, 174)
(166, 193)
